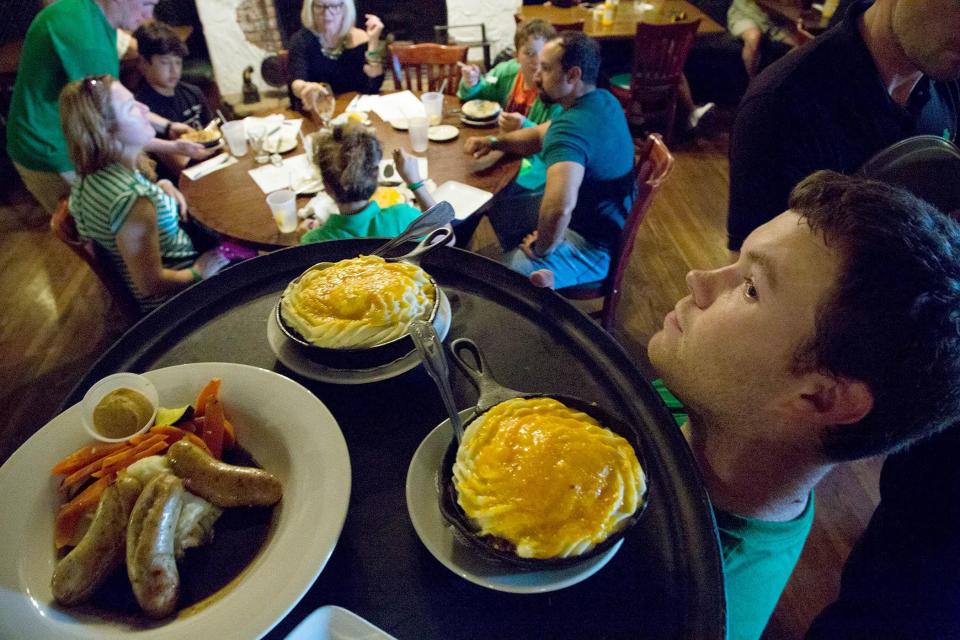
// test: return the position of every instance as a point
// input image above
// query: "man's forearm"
(522, 142)
(551, 226)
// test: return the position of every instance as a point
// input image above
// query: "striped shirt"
(101, 202)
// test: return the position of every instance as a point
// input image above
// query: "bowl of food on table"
(482, 112)
(539, 480)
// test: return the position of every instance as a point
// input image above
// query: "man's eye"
(749, 289)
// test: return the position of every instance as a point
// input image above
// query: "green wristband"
(416, 185)
(494, 142)
(196, 275)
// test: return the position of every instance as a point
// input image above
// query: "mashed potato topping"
(357, 303)
(547, 478)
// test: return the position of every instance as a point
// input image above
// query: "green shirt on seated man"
(832, 338)
(349, 161)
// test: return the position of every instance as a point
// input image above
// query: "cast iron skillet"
(380, 354)
(491, 394)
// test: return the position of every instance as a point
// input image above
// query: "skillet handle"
(491, 392)
(436, 238)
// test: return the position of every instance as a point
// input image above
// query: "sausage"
(101, 549)
(151, 566)
(222, 484)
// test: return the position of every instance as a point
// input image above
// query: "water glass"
(283, 206)
(433, 106)
(418, 126)
(257, 134)
(236, 137)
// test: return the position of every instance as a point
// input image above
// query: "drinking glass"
(257, 134)
(418, 126)
(283, 206)
(233, 131)
(326, 104)
(433, 106)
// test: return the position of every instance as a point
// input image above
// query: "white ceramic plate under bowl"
(288, 431)
(439, 539)
(443, 132)
(336, 623)
(288, 354)
(478, 123)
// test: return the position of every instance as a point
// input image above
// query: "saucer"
(438, 537)
(478, 123)
(295, 361)
(400, 124)
(443, 132)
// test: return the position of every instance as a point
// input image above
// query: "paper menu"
(288, 175)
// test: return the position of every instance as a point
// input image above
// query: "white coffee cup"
(283, 206)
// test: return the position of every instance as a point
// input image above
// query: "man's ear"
(574, 74)
(834, 400)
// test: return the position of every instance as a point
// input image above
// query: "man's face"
(129, 14)
(727, 348)
(928, 31)
(554, 84)
(163, 71)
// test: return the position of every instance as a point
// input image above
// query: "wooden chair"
(654, 164)
(64, 227)
(442, 35)
(649, 92)
(433, 62)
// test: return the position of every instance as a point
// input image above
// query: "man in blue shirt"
(590, 179)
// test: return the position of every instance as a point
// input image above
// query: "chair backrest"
(425, 66)
(654, 164)
(659, 53)
(64, 227)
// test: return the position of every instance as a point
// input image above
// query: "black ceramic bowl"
(354, 358)
(492, 394)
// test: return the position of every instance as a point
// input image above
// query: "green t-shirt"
(68, 40)
(497, 86)
(758, 555)
(369, 222)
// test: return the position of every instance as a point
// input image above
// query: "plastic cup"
(418, 127)
(433, 106)
(283, 206)
(236, 136)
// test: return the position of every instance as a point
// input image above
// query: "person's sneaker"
(698, 114)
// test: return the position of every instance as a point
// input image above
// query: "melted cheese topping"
(547, 478)
(357, 303)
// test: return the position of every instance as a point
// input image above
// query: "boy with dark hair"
(161, 63)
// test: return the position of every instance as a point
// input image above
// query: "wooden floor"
(57, 320)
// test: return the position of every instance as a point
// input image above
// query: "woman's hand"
(310, 94)
(174, 193)
(209, 263)
(374, 28)
(407, 166)
(470, 74)
(510, 121)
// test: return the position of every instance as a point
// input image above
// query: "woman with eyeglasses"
(330, 50)
(114, 202)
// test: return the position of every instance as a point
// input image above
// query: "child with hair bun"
(348, 157)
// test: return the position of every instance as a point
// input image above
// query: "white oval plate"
(443, 132)
(336, 623)
(284, 426)
(438, 537)
(400, 124)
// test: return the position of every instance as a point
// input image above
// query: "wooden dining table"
(230, 204)
(625, 18)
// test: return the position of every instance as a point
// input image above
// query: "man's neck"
(582, 89)
(766, 480)
(898, 74)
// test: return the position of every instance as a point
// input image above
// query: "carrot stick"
(229, 434)
(126, 462)
(211, 390)
(122, 455)
(168, 431)
(213, 426)
(84, 456)
(199, 442)
(72, 512)
(80, 476)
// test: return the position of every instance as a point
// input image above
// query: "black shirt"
(343, 74)
(185, 105)
(822, 106)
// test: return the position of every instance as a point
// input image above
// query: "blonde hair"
(348, 158)
(349, 17)
(89, 125)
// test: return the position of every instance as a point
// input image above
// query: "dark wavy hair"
(580, 50)
(348, 158)
(158, 39)
(892, 319)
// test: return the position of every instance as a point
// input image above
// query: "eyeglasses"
(318, 6)
(91, 83)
